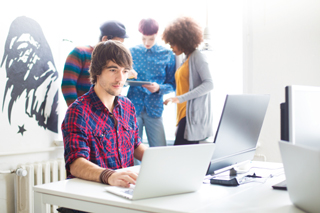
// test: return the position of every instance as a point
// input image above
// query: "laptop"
(168, 170)
(302, 169)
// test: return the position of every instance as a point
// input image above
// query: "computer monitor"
(238, 131)
(300, 115)
(284, 117)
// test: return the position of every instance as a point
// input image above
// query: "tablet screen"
(138, 83)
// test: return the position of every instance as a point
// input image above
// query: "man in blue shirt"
(156, 64)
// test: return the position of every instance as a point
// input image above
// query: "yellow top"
(182, 87)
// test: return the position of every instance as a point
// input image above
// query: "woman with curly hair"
(193, 82)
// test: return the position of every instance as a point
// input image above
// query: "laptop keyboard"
(129, 191)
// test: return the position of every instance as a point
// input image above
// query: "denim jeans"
(154, 129)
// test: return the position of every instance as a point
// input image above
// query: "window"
(225, 21)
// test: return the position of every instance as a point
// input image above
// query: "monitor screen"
(300, 115)
(284, 118)
(238, 130)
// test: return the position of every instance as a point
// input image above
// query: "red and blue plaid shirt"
(89, 131)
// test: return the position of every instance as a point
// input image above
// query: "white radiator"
(38, 173)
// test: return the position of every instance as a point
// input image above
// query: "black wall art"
(31, 74)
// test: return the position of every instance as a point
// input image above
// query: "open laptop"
(169, 170)
(302, 169)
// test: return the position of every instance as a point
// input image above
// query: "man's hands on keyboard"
(123, 178)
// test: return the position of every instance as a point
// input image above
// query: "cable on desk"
(244, 178)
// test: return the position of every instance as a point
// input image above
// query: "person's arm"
(201, 67)
(174, 100)
(71, 72)
(169, 85)
(138, 152)
(138, 146)
(132, 74)
(84, 169)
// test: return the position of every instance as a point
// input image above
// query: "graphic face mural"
(31, 72)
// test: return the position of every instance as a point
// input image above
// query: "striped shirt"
(89, 131)
(156, 64)
(76, 75)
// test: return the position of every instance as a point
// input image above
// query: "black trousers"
(180, 134)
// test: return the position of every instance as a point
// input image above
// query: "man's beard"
(112, 92)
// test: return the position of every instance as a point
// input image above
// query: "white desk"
(250, 197)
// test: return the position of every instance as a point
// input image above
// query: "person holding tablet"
(194, 82)
(155, 64)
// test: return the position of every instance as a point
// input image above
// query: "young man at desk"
(100, 130)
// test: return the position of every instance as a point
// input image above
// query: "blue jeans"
(154, 129)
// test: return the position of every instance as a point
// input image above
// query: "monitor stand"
(235, 169)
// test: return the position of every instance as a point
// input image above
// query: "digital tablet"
(137, 83)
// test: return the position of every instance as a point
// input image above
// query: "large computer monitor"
(300, 115)
(238, 131)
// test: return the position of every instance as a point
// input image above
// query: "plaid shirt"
(89, 131)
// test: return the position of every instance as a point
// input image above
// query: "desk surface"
(255, 196)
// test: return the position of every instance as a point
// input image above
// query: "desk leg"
(39, 205)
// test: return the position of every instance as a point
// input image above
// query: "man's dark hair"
(107, 51)
(185, 33)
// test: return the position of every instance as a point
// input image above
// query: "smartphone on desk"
(281, 185)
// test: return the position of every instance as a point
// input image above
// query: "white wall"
(34, 143)
(282, 41)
